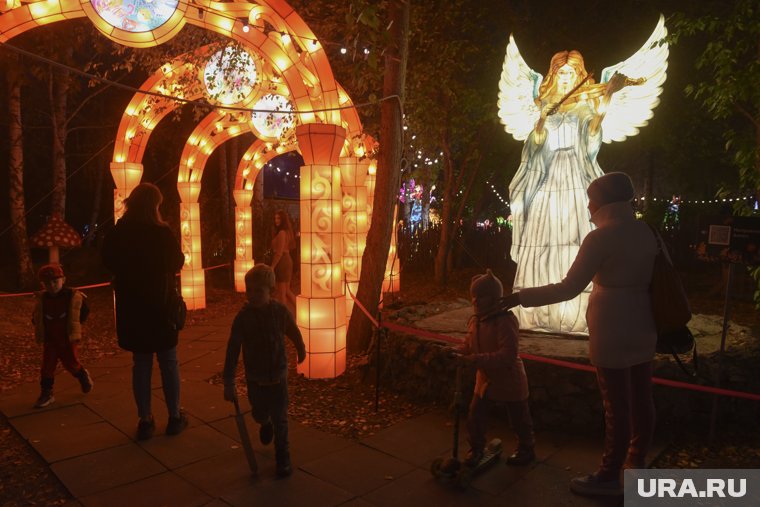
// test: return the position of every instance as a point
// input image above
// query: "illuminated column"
(126, 176)
(353, 173)
(391, 279)
(193, 278)
(243, 236)
(370, 184)
(321, 313)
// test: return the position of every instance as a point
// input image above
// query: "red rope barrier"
(361, 306)
(558, 362)
(17, 294)
(93, 286)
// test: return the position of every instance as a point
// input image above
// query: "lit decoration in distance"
(135, 15)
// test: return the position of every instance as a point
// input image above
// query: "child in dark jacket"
(260, 329)
(492, 347)
(57, 317)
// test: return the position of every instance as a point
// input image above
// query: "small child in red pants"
(58, 316)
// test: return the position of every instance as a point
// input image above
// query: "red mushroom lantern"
(54, 235)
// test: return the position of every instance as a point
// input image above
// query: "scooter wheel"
(435, 467)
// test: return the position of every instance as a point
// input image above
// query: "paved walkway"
(89, 442)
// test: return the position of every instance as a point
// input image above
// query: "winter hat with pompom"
(486, 285)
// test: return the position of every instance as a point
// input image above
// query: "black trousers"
(270, 403)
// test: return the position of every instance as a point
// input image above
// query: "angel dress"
(550, 215)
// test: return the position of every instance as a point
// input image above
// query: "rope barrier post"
(726, 312)
(379, 330)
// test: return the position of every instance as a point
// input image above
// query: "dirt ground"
(344, 406)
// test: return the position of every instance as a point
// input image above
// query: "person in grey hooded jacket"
(618, 256)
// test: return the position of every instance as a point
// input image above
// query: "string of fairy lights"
(680, 200)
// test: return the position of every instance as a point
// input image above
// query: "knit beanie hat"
(486, 285)
(50, 272)
(260, 276)
(612, 187)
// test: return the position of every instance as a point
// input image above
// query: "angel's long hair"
(575, 60)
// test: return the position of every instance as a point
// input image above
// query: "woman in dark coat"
(144, 257)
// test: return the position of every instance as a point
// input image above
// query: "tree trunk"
(388, 176)
(19, 237)
(58, 91)
(444, 243)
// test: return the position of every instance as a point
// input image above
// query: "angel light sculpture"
(563, 118)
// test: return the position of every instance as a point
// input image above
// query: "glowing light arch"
(142, 115)
(293, 50)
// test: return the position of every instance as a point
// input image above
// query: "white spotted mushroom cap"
(56, 233)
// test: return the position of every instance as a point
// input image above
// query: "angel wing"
(631, 107)
(518, 90)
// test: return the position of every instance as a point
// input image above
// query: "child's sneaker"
(146, 428)
(176, 424)
(266, 433)
(85, 381)
(521, 457)
(45, 399)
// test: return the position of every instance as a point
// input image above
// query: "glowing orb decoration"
(135, 16)
(230, 75)
(272, 116)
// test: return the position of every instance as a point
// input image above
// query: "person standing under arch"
(283, 241)
(144, 256)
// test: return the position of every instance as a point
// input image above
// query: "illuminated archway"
(282, 39)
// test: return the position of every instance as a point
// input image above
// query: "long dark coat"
(144, 258)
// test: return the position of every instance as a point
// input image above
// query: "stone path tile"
(356, 502)
(357, 468)
(102, 470)
(164, 490)
(299, 490)
(187, 352)
(547, 485)
(202, 400)
(196, 333)
(416, 440)
(306, 444)
(579, 455)
(216, 503)
(67, 432)
(193, 444)
(419, 488)
(217, 332)
(120, 359)
(225, 472)
(499, 477)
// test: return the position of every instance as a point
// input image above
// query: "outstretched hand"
(511, 300)
(229, 393)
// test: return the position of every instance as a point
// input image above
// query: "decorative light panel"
(272, 125)
(230, 76)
